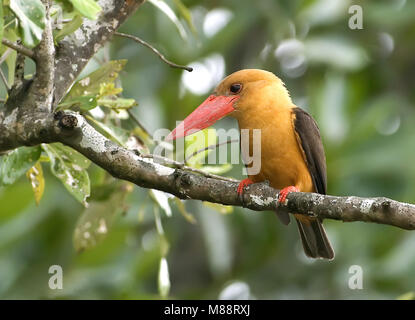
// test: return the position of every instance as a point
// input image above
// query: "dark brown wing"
(314, 238)
(309, 138)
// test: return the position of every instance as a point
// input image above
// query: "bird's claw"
(282, 195)
(241, 187)
(243, 184)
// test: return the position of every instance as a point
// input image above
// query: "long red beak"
(210, 111)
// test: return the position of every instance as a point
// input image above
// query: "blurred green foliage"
(358, 84)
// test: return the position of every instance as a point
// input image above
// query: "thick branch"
(73, 130)
(76, 49)
(41, 91)
(35, 95)
(22, 128)
(22, 125)
(145, 172)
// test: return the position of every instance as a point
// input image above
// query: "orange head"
(245, 93)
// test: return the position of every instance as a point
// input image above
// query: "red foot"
(282, 195)
(243, 184)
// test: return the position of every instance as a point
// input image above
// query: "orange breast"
(282, 161)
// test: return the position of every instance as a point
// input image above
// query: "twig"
(19, 48)
(180, 165)
(2, 59)
(9, 23)
(134, 118)
(158, 53)
(5, 55)
(3, 77)
(211, 147)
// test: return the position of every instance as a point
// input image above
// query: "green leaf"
(31, 15)
(217, 169)
(69, 28)
(197, 142)
(96, 221)
(185, 13)
(164, 278)
(165, 8)
(88, 8)
(182, 209)
(162, 199)
(84, 103)
(91, 84)
(93, 89)
(218, 207)
(11, 64)
(164, 243)
(110, 131)
(37, 181)
(78, 160)
(335, 52)
(117, 103)
(69, 166)
(16, 163)
(407, 296)
(92, 226)
(108, 89)
(1, 20)
(11, 58)
(143, 136)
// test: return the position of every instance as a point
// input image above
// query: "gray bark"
(28, 119)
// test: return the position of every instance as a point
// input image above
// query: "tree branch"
(138, 123)
(41, 91)
(18, 47)
(180, 165)
(73, 130)
(21, 128)
(22, 125)
(211, 147)
(76, 49)
(155, 51)
(3, 78)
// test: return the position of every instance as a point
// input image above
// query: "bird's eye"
(235, 88)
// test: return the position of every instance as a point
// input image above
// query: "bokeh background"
(358, 84)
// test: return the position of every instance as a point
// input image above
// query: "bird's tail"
(314, 238)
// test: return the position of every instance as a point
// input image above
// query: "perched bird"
(292, 153)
